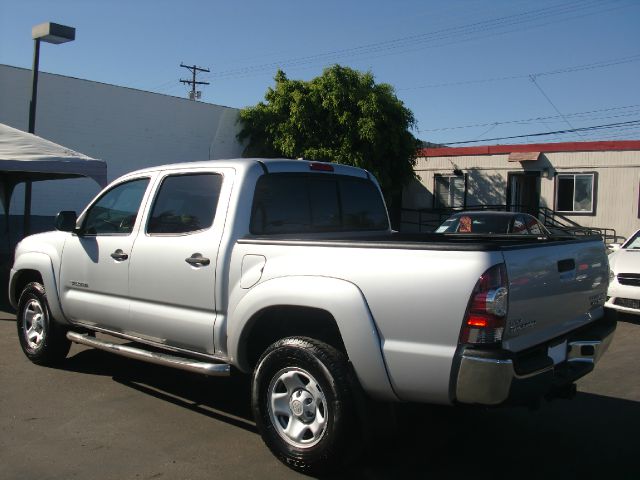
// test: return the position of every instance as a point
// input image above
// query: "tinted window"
(185, 203)
(116, 211)
(519, 225)
(302, 203)
(534, 226)
(490, 224)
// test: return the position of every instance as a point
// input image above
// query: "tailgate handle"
(566, 265)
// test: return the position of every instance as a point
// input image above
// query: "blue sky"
(468, 69)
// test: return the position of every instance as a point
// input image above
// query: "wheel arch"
(35, 267)
(335, 311)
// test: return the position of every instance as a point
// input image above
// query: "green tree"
(341, 116)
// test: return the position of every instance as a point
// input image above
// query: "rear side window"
(185, 203)
(305, 203)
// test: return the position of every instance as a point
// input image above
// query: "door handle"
(119, 255)
(197, 260)
(566, 265)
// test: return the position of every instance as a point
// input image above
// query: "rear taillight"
(321, 167)
(487, 311)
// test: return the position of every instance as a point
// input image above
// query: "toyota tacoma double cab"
(288, 270)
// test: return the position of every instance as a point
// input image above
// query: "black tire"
(42, 339)
(318, 378)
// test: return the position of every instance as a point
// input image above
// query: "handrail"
(550, 218)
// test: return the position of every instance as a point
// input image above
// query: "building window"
(574, 192)
(450, 191)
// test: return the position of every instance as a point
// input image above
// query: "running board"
(182, 363)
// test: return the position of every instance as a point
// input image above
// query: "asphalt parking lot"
(104, 417)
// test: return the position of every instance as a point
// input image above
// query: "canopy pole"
(27, 209)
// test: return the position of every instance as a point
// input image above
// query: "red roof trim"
(617, 145)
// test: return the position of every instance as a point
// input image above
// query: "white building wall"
(129, 129)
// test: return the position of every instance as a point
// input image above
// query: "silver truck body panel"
(553, 289)
(39, 253)
(417, 299)
(343, 300)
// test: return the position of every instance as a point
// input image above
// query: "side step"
(182, 363)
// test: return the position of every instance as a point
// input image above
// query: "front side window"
(115, 212)
(450, 191)
(575, 192)
(312, 203)
(185, 204)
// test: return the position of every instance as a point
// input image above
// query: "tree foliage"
(341, 116)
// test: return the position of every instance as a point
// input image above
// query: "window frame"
(594, 185)
(154, 199)
(437, 176)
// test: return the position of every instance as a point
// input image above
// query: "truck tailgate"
(553, 288)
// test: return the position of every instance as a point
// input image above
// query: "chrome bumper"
(490, 381)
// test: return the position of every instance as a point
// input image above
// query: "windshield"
(477, 223)
(634, 242)
(488, 223)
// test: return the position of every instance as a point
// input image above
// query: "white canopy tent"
(27, 158)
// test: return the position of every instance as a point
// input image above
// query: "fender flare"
(41, 263)
(342, 299)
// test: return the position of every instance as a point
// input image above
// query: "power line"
(539, 17)
(581, 129)
(172, 84)
(577, 68)
(539, 119)
(533, 79)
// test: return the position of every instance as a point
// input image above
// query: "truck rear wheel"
(43, 341)
(303, 406)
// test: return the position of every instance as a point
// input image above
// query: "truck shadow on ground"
(588, 436)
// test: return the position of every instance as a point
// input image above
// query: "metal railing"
(428, 219)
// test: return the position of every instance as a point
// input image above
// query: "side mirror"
(612, 247)
(66, 221)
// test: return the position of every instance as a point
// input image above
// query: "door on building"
(523, 192)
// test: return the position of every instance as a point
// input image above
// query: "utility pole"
(193, 94)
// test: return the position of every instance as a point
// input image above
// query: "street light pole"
(34, 85)
(50, 33)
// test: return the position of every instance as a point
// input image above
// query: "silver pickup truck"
(288, 270)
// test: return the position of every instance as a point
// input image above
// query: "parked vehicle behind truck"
(289, 271)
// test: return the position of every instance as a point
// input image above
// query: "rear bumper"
(494, 377)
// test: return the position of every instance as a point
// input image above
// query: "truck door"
(95, 262)
(173, 264)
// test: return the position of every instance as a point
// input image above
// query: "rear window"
(477, 223)
(313, 203)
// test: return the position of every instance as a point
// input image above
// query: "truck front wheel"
(302, 400)
(43, 341)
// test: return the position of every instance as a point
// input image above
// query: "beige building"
(590, 184)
